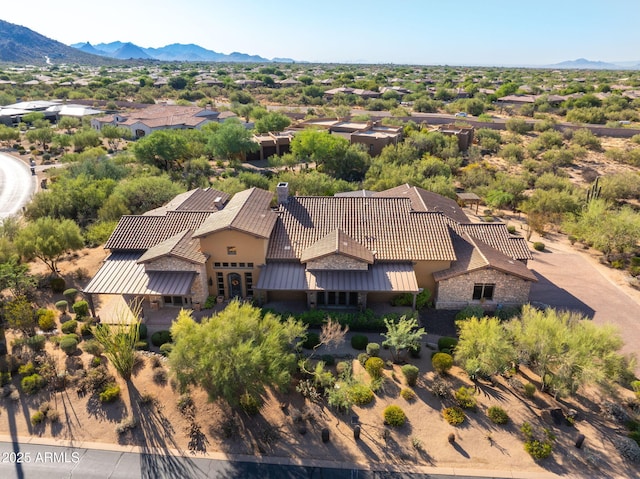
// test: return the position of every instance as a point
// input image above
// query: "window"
(483, 291)
(249, 265)
(248, 283)
(220, 280)
(234, 265)
(231, 250)
(216, 265)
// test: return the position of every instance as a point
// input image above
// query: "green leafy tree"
(85, 139)
(231, 141)
(68, 123)
(8, 134)
(48, 239)
(15, 277)
(484, 347)
(20, 315)
(252, 351)
(40, 136)
(166, 149)
(402, 335)
(114, 134)
(272, 121)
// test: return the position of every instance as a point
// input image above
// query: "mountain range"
(584, 64)
(173, 52)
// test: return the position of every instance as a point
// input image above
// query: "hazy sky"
(461, 32)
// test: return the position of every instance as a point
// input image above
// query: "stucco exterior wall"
(338, 262)
(424, 273)
(199, 290)
(457, 292)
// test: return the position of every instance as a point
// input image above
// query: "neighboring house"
(271, 144)
(161, 117)
(464, 134)
(364, 94)
(325, 252)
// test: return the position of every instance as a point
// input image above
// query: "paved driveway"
(16, 185)
(568, 280)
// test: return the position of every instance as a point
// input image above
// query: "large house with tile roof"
(325, 252)
(161, 117)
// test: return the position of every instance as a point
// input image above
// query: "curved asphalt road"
(16, 185)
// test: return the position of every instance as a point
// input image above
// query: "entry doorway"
(235, 285)
(339, 299)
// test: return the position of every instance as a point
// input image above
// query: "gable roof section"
(198, 199)
(423, 200)
(181, 246)
(141, 232)
(475, 255)
(385, 226)
(497, 236)
(249, 211)
(337, 242)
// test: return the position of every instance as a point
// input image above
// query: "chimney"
(217, 202)
(283, 193)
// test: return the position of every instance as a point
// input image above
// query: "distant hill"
(175, 52)
(21, 45)
(584, 64)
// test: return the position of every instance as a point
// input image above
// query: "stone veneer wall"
(457, 292)
(337, 262)
(199, 285)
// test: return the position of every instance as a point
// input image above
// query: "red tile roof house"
(328, 252)
(161, 117)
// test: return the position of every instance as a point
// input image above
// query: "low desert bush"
(538, 246)
(363, 358)
(161, 337)
(394, 416)
(93, 347)
(373, 349)
(57, 285)
(374, 367)
(410, 373)
(126, 425)
(498, 415)
(310, 341)
(81, 308)
(160, 376)
(69, 345)
(442, 362)
(360, 394)
(249, 404)
(32, 384)
(166, 348)
(46, 320)
(408, 394)
(453, 415)
(27, 369)
(465, 398)
(38, 417)
(529, 390)
(447, 343)
(359, 342)
(62, 306)
(110, 393)
(70, 327)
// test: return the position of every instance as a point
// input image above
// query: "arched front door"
(235, 285)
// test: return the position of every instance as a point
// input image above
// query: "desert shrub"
(93, 347)
(465, 398)
(38, 417)
(498, 415)
(249, 404)
(447, 343)
(166, 348)
(410, 373)
(142, 331)
(27, 369)
(96, 361)
(53, 415)
(46, 320)
(360, 394)
(342, 367)
(474, 311)
(57, 285)
(442, 362)
(374, 367)
(70, 327)
(71, 294)
(69, 345)
(538, 449)
(511, 229)
(141, 346)
(126, 425)
(453, 415)
(328, 359)
(161, 337)
(363, 358)
(32, 384)
(5, 378)
(408, 394)
(62, 306)
(529, 390)
(37, 342)
(311, 340)
(414, 351)
(85, 329)
(359, 342)
(373, 349)
(394, 416)
(110, 393)
(81, 308)
(628, 448)
(538, 246)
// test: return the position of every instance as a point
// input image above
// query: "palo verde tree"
(231, 141)
(402, 335)
(251, 351)
(48, 239)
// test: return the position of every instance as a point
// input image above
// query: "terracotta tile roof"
(141, 232)
(474, 255)
(193, 200)
(248, 211)
(385, 226)
(156, 116)
(497, 236)
(423, 200)
(337, 242)
(181, 246)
